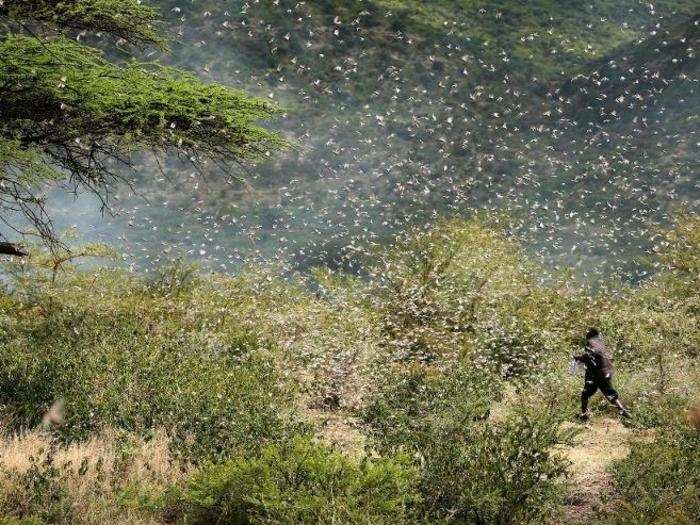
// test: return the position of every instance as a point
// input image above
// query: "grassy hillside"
(435, 392)
(405, 113)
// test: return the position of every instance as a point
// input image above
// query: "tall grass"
(433, 391)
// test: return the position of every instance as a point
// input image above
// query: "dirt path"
(603, 441)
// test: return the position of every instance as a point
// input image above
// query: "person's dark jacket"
(597, 359)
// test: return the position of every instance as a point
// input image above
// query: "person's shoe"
(583, 416)
(622, 410)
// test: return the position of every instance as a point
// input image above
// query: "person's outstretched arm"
(583, 358)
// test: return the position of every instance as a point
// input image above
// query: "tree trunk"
(9, 248)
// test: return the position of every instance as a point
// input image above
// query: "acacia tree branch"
(10, 248)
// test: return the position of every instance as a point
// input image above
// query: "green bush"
(302, 482)
(659, 481)
(409, 398)
(473, 469)
(493, 473)
(658, 410)
(137, 361)
(465, 288)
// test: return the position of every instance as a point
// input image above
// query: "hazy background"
(577, 121)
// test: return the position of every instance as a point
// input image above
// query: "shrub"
(659, 481)
(137, 361)
(472, 469)
(408, 398)
(657, 410)
(493, 473)
(436, 286)
(465, 288)
(302, 482)
(657, 322)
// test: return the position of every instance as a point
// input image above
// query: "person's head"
(592, 333)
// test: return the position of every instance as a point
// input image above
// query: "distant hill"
(405, 111)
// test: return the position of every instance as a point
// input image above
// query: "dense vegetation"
(401, 355)
(436, 393)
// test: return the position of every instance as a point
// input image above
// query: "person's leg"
(589, 388)
(621, 409)
(611, 395)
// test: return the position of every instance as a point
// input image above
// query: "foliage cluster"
(78, 96)
(129, 20)
(69, 114)
(474, 468)
(466, 289)
(238, 372)
(656, 324)
(659, 482)
(302, 482)
(139, 361)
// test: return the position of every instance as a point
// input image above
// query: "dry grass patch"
(109, 477)
(604, 441)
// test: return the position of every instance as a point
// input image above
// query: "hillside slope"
(404, 114)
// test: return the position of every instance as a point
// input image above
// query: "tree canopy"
(73, 118)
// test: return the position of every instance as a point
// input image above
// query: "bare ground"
(603, 441)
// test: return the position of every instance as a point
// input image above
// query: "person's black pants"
(604, 384)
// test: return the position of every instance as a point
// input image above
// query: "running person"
(599, 372)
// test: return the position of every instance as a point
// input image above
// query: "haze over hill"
(578, 122)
